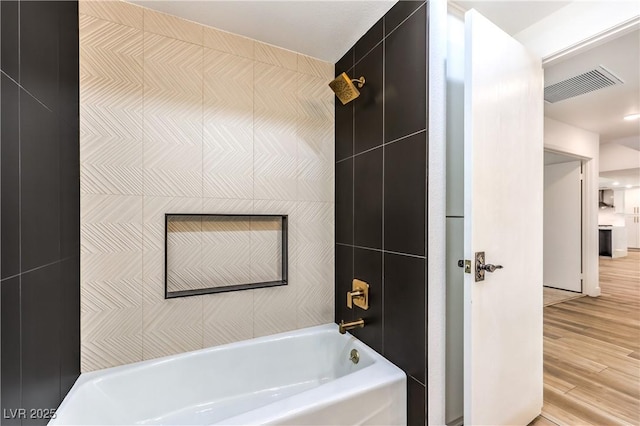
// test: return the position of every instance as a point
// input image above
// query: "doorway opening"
(563, 222)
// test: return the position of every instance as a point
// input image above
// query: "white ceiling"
(624, 178)
(554, 158)
(602, 111)
(513, 16)
(321, 29)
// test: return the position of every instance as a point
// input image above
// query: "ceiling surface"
(321, 29)
(555, 158)
(624, 178)
(602, 111)
(513, 16)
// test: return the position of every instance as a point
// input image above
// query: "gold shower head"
(344, 88)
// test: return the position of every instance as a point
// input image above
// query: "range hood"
(602, 204)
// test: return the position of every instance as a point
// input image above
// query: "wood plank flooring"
(553, 296)
(592, 352)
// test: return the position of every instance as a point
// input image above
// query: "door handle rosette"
(482, 267)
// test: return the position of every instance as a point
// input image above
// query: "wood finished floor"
(592, 352)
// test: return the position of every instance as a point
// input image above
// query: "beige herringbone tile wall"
(176, 117)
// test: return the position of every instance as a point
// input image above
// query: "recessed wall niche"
(214, 253)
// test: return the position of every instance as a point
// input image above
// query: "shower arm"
(360, 81)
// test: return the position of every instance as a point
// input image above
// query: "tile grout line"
(20, 196)
(426, 220)
(142, 290)
(353, 181)
(383, 145)
(253, 179)
(385, 36)
(382, 298)
(22, 88)
(398, 253)
(202, 184)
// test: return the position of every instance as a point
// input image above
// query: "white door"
(563, 226)
(503, 218)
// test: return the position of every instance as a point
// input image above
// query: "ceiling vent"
(586, 82)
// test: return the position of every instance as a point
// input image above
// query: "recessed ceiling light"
(632, 117)
(627, 186)
(615, 183)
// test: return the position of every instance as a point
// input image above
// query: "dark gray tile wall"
(40, 206)
(381, 188)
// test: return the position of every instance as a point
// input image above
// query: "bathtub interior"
(201, 385)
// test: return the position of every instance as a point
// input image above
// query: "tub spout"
(344, 326)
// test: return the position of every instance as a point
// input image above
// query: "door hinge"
(581, 177)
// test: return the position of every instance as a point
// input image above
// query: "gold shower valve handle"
(359, 295)
(351, 295)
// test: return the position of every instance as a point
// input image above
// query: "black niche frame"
(236, 287)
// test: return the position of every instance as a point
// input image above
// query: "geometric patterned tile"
(171, 341)
(316, 99)
(228, 42)
(316, 67)
(228, 126)
(170, 126)
(310, 311)
(172, 326)
(315, 169)
(228, 317)
(153, 244)
(225, 258)
(273, 55)
(275, 165)
(171, 26)
(266, 250)
(275, 133)
(120, 12)
(172, 117)
(111, 107)
(111, 280)
(111, 351)
(184, 254)
(227, 161)
(289, 208)
(275, 94)
(315, 266)
(228, 206)
(274, 310)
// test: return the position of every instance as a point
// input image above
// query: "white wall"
(563, 138)
(577, 22)
(618, 157)
(608, 216)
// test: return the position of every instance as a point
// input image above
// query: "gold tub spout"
(344, 326)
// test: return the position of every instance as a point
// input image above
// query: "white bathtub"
(300, 377)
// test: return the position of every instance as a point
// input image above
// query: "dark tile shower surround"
(381, 184)
(40, 203)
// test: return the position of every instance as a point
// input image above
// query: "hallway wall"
(566, 139)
